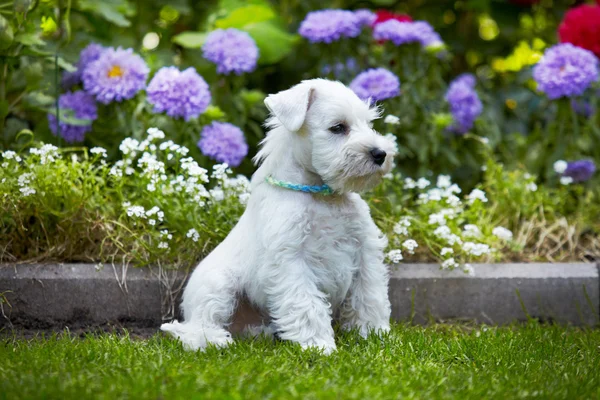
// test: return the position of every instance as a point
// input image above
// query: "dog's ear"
(290, 106)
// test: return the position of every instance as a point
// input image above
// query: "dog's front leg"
(367, 306)
(300, 311)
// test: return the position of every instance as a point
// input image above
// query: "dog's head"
(334, 128)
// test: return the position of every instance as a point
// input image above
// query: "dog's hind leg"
(209, 301)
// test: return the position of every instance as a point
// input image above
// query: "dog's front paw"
(325, 347)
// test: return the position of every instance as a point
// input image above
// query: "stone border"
(82, 295)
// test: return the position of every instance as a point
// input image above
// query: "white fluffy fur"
(298, 257)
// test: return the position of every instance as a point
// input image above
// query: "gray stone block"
(79, 295)
(498, 293)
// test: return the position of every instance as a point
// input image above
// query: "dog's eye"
(339, 129)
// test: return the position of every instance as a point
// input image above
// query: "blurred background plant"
(81, 74)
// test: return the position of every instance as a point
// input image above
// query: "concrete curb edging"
(55, 295)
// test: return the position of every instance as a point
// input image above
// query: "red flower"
(385, 15)
(581, 27)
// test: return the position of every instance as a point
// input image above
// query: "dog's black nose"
(378, 156)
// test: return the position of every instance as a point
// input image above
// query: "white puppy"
(302, 258)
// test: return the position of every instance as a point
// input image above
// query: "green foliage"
(439, 361)
(71, 205)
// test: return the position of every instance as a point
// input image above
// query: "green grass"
(439, 361)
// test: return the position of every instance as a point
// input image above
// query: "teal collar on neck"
(322, 189)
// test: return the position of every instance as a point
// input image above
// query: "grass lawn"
(440, 361)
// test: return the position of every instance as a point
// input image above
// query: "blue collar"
(322, 189)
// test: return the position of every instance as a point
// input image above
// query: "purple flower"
(79, 105)
(365, 17)
(582, 107)
(340, 69)
(232, 50)
(565, 70)
(223, 142)
(181, 94)
(376, 84)
(580, 171)
(88, 55)
(467, 79)
(326, 26)
(116, 75)
(401, 33)
(464, 102)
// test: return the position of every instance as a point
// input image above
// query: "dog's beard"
(357, 173)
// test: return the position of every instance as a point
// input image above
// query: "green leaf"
(29, 39)
(273, 42)
(39, 99)
(113, 11)
(190, 40)
(244, 16)
(62, 63)
(67, 115)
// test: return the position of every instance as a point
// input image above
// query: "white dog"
(302, 258)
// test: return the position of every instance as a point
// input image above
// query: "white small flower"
(27, 191)
(395, 256)
(502, 233)
(453, 201)
(446, 251)
(477, 194)
(468, 269)
(98, 150)
(136, 211)
(409, 183)
(437, 218)
(11, 155)
(391, 119)
(393, 139)
(152, 222)
(485, 140)
(449, 264)
(422, 183)
(560, 166)
(531, 186)
(129, 146)
(401, 226)
(410, 245)
(150, 187)
(244, 197)
(476, 249)
(471, 231)
(566, 180)
(193, 234)
(452, 189)
(443, 181)
(155, 133)
(217, 194)
(48, 153)
(163, 245)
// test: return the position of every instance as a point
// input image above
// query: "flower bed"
(141, 154)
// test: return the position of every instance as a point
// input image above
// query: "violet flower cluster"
(117, 75)
(376, 84)
(181, 94)
(83, 107)
(464, 103)
(327, 26)
(580, 170)
(401, 33)
(88, 55)
(232, 50)
(223, 142)
(565, 71)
